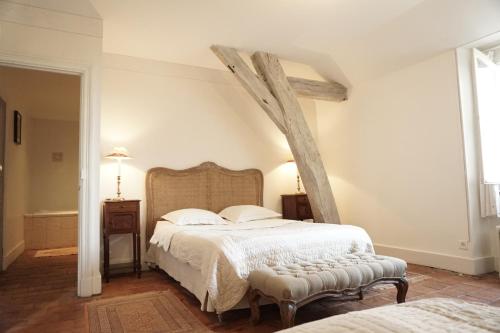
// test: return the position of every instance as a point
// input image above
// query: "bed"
(427, 315)
(213, 261)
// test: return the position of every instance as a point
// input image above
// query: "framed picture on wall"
(18, 121)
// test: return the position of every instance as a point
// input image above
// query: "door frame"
(89, 276)
(2, 172)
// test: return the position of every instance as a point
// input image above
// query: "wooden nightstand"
(296, 207)
(122, 217)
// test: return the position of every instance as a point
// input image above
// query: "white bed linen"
(189, 278)
(433, 315)
(226, 254)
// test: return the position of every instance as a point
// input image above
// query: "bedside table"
(122, 217)
(296, 207)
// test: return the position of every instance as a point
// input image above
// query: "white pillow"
(193, 216)
(245, 213)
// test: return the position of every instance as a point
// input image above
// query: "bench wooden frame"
(288, 308)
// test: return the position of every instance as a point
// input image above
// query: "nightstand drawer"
(302, 199)
(122, 222)
(126, 206)
(296, 207)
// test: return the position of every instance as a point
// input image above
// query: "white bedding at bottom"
(189, 278)
(424, 316)
(225, 254)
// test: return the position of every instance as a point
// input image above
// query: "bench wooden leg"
(402, 287)
(287, 311)
(253, 301)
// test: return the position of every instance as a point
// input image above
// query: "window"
(487, 85)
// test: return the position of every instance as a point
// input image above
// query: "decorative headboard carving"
(207, 186)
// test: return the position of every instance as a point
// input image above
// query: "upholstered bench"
(343, 278)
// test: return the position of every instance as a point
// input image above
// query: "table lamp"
(299, 190)
(118, 154)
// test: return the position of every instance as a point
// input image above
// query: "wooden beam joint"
(328, 91)
(274, 93)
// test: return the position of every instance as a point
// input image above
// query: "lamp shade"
(119, 153)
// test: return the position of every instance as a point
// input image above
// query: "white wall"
(179, 116)
(394, 153)
(53, 185)
(16, 182)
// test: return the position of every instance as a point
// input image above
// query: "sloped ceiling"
(347, 40)
(77, 7)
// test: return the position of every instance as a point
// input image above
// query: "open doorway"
(40, 169)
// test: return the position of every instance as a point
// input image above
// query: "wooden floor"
(39, 295)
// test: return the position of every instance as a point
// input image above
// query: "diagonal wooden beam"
(251, 83)
(300, 139)
(328, 91)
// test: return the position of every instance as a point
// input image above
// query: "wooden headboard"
(207, 186)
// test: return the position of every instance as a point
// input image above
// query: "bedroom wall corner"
(179, 116)
(394, 154)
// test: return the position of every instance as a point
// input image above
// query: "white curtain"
(490, 200)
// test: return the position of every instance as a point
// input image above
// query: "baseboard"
(472, 266)
(12, 255)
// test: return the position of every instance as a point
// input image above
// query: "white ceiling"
(347, 40)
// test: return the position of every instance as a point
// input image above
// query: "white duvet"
(433, 315)
(226, 254)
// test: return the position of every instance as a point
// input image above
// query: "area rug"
(159, 312)
(64, 251)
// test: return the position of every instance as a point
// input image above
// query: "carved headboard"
(207, 186)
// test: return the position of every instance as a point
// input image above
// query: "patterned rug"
(65, 251)
(159, 312)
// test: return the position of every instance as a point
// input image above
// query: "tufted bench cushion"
(302, 279)
(297, 284)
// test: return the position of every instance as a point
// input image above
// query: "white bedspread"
(424, 316)
(226, 254)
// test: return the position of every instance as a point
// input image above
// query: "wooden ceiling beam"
(275, 94)
(252, 83)
(328, 91)
(300, 139)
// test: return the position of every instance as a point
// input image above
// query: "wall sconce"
(299, 190)
(118, 154)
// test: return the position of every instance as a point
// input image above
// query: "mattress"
(223, 255)
(423, 316)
